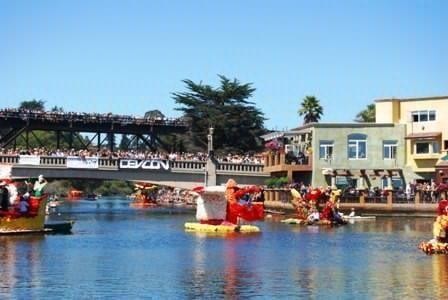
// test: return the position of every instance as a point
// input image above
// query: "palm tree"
(311, 110)
(366, 115)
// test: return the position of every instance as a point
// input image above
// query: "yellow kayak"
(197, 227)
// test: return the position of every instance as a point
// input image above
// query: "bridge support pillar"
(210, 172)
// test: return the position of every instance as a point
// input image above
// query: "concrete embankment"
(376, 209)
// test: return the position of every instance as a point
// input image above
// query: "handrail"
(114, 163)
(244, 167)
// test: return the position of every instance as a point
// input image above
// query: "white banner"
(149, 164)
(77, 162)
(29, 160)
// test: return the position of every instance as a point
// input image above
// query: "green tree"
(311, 110)
(236, 121)
(366, 115)
(33, 105)
(57, 109)
(153, 114)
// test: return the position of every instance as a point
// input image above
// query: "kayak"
(358, 218)
(198, 227)
(294, 221)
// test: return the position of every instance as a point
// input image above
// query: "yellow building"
(426, 121)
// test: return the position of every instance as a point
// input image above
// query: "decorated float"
(222, 209)
(144, 196)
(308, 212)
(75, 194)
(26, 213)
(439, 243)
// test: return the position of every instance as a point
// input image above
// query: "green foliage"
(366, 115)
(114, 188)
(33, 105)
(102, 187)
(277, 182)
(124, 142)
(57, 109)
(311, 110)
(237, 122)
(153, 114)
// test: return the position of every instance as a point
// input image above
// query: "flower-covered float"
(145, 195)
(25, 212)
(221, 209)
(307, 209)
(439, 243)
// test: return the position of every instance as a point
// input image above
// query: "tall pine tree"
(238, 123)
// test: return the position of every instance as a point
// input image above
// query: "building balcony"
(426, 156)
(279, 162)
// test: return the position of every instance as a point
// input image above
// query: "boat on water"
(358, 218)
(198, 227)
(33, 221)
(74, 194)
(218, 210)
(439, 243)
(144, 195)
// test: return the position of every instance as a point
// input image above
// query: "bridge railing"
(241, 168)
(114, 164)
(187, 164)
(9, 159)
(108, 163)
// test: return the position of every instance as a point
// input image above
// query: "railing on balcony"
(349, 198)
(277, 158)
(376, 199)
(402, 198)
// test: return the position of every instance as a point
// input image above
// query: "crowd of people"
(58, 116)
(135, 154)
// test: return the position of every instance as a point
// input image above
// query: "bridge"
(21, 124)
(182, 174)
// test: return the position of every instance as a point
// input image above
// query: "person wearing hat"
(39, 185)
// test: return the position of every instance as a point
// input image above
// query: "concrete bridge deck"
(183, 174)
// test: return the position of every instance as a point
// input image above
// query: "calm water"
(123, 253)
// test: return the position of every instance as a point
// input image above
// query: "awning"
(423, 136)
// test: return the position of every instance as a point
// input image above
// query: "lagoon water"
(116, 252)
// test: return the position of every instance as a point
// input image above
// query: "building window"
(397, 183)
(326, 149)
(435, 147)
(390, 149)
(422, 148)
(427, 147)
(445, 145)
(357, 146)
(423, 116)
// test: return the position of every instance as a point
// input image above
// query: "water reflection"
(119, 252)
(20, 258)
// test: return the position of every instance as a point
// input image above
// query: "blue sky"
(129, 56)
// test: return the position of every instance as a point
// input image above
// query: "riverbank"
(372, 209)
